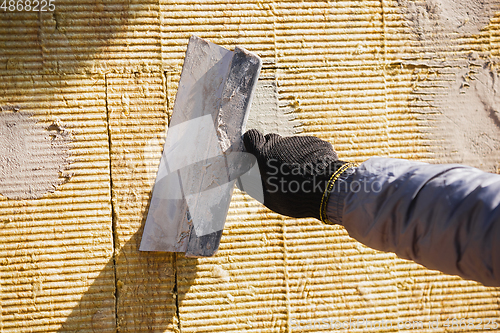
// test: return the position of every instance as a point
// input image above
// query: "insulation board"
(368, 76)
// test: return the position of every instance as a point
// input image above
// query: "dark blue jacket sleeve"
(445, 217)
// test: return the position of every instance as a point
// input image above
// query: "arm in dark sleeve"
(445, 217)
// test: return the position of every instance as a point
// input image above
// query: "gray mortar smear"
(447, 16)
(32, 158)
(463, 94)
(468, 122)
(267, 115)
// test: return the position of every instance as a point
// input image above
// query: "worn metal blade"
(201, 156)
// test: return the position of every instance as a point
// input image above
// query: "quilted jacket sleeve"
(445, 217)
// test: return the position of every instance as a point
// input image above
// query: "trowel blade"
(203, 151)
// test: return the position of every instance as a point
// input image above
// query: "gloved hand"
(295, 172)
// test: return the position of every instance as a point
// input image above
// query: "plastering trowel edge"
(194, 184)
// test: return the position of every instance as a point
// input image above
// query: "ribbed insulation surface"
(145, 280)
(353, 72)
(56, 251)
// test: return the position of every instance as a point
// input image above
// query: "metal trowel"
(203, 155)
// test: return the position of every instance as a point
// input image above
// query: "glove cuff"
(332, 202)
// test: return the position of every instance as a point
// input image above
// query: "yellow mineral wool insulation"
(268, 272)
(429, 296)
(357, 99)
(362, 103)
(55, 251)
(145, 280)
(243, 288)
(81, 37)
(363, 113)
(364, 75)
(227, 24)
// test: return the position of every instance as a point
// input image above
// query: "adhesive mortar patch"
(430, 16)
(267, 115)
(32, 157)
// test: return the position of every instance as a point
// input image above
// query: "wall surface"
(86, 92)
